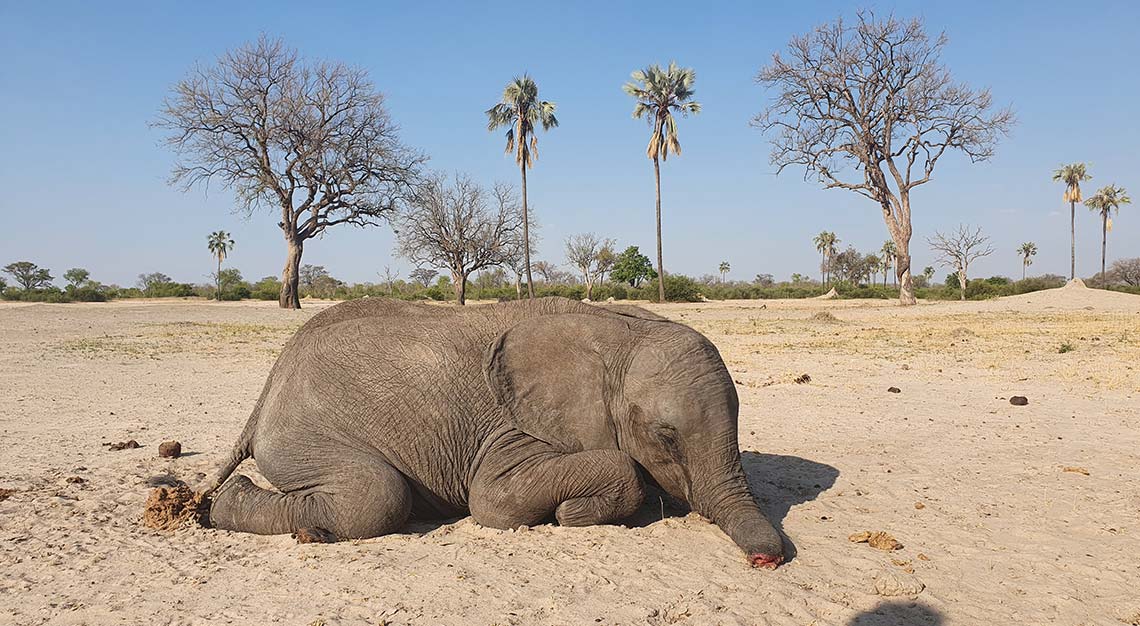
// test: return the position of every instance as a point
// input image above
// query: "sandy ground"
(994, 529)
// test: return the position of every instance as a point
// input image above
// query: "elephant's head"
(655, 389)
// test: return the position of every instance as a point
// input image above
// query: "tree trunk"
(526, 233)
(218, 281)
(660, 264)
(1072, 239)
(1103, 242)
(518, 287)
(459, 283)
(290, 276)
(1023, 268)
(961, 283)
(902, 274)
(823, 270)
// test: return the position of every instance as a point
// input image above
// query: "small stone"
(123, 445)
(919, 505)
(922, 557)
(802, 379)
(76, 480)
(4, 493)
(314, 535)
(170, 449)
(1018, 400)
(894, 390)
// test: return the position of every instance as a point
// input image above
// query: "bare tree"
(389, 278)
(459, 226)
(311, 140)
(423, 276)
(547, 270)
(876, 96)
(582, 252)
(1126, 271)
(605, 259)
(960, 248)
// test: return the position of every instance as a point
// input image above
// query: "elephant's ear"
(550, 375)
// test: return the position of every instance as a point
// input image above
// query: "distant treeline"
(34, 284)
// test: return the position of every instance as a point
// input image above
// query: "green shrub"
(268, 288)
(169, 290)
(678, 288)
(87, 293)
(847, 290)
(52, 294)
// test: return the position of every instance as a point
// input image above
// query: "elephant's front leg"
(520, 481)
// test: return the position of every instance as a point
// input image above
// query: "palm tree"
(724, 269)
(1072, 175)
(1027, 250)
(825, 243)
(889, 252)
(1106, 200)
(521, 112)
(659, 92)
(220, 244)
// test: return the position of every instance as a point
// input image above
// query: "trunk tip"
(765, 561)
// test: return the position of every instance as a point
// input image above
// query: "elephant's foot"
(597, 509)
(526, 480)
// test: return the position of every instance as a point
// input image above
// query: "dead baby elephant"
(378, 411)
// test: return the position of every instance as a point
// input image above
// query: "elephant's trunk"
(730, 505)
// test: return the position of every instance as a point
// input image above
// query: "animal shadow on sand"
(899, 614)
(778, 482)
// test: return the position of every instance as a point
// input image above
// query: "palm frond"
(521, 112)
(659, 92)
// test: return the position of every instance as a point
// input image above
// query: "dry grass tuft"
(825, 316)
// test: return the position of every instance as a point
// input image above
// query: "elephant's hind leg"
(361, 498)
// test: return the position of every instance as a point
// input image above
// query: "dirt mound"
(168, 508)
(825, 316)
(961, 332)
(830, 295)
(1073, 296)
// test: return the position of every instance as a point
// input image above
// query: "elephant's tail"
(242, 450)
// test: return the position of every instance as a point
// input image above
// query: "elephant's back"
(401, 379)
(375, 308)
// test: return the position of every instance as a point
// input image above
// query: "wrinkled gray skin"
(381, 410)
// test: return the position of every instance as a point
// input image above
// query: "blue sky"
(83, 175)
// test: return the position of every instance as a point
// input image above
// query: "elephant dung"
(879, 540)
(123, 445)
(1018, 400)
(170, 449)
(168, 508)
(896, 583)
